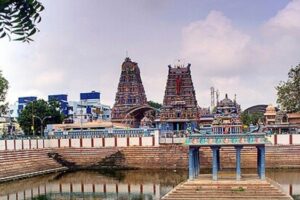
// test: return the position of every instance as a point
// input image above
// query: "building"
(131, 102)
(256, 109)
(280, 121)
(23, 101)
(180, 107)
(227, 117)
(88, 108)
(63, 102)
(270, 115)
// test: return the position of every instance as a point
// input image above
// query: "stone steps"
(20, 163)
(247, 188)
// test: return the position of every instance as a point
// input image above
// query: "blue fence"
(100, 133)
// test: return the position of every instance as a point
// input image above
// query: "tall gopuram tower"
(130, 97)
(180, 107)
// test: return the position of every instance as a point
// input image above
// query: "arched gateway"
(216, 142)
(135, 115)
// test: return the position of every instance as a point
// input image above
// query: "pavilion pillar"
(238, 161)
(262, 162)
(218, 159)
(191, 163)
(197, 161)
(258, 161)
(214, 163)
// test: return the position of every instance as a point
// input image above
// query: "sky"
(238, 47)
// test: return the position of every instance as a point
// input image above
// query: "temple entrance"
(135, 115)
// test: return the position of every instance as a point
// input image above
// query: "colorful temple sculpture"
(226, 130)
(130, 102)
(279, 121)
(227, 117)
(180, 107)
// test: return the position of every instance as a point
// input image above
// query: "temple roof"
(226, 102)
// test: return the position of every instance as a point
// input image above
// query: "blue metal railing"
(135, 132)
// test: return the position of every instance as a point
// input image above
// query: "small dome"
(270, 108)
(226, 101)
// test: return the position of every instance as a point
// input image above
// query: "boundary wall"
(26, 144)
(284, 139)
(275, 139)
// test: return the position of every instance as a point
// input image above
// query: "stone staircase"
(25, 163)
(204, 188)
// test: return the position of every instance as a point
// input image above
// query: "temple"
(180, 106)
(227, 117)
(130, 102)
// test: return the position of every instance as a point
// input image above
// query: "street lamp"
(42, 122)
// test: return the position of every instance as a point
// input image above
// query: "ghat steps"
(17, 164)
(248, 188)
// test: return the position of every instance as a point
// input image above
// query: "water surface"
(118, 185)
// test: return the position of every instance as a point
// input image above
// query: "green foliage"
(41, 109)
(288, 92)
(18, 19)
(253, 118)
(3, 91)
(239, 189)
(154, 104)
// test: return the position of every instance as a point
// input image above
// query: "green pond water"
(121, 185)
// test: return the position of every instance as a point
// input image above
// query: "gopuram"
(130, 102)
(180, 108)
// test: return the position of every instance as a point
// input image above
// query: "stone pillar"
(198, 158)
(218, 159)
(197, 163)
(238, 162)
(262, 162)
(214, 163)
(258, 161)
(191, 163)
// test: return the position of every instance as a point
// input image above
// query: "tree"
(18, 19)
(288, 93)
(3, 91)
(154, 104)
(41, 109)
(253, 118)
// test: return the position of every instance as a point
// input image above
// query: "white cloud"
(236, 62)
(214, 37)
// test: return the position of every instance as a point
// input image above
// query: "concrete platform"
(249, 187)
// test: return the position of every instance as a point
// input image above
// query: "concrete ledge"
(31, 174)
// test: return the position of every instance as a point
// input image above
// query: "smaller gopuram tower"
(130, 94)
(180, 107)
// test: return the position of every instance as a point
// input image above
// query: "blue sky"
(239, 47)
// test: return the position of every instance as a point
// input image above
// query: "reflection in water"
(110, 185)
(133, 184)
